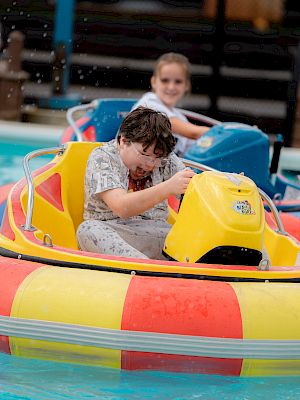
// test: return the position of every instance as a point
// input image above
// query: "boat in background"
(230, 146)
(222, 307)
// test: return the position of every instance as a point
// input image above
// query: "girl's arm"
(126, 205)
(187, 129)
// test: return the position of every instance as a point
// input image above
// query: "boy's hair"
(177, 58)
(147, 126)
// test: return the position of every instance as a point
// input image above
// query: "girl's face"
(170, 84)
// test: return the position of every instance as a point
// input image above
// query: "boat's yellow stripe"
(91, 298)
(269, 311)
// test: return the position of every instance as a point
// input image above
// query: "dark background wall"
(243, 69)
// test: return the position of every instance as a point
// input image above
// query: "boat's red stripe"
(4, 192)
(69, 134)
(173, 202)
(89, 135)
(50, 190)
(5, 228)
(12, 272)
(181, 306)
(290, 222)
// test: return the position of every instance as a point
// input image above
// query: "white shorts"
(138, 238)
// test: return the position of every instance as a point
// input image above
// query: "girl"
(170, 82)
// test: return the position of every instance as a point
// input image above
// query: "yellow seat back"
(59, 195)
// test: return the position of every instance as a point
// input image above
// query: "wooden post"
(12, 78)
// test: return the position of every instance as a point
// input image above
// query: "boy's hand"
(179, 182)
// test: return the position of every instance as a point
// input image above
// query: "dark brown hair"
(147, 126)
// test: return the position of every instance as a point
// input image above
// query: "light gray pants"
(126, 238)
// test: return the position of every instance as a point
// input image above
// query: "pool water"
(11, 157)
(42, 380)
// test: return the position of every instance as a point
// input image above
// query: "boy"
(128, 181)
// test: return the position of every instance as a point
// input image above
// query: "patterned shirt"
(105, 170)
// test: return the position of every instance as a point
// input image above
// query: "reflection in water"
(41, 380)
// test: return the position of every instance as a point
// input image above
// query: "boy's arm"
(187, 129)
(126, 205)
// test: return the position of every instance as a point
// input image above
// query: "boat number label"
(243, 207)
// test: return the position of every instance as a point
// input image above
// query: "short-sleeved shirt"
(105, 170)
(151, 100)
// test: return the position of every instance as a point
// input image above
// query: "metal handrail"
(199, 166)
(274, 210)
(30, 201)
(83, 107)
(199, 117)
(265, 197)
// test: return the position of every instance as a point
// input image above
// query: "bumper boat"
(217, 306)
(226, 146)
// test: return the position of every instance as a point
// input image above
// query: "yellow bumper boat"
(216, 307)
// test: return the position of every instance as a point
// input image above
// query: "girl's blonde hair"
(170, 58)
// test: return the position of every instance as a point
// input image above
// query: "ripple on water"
(42, 380)
(11, 158)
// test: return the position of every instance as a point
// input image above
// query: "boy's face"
(170, 84)
(139, 162)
